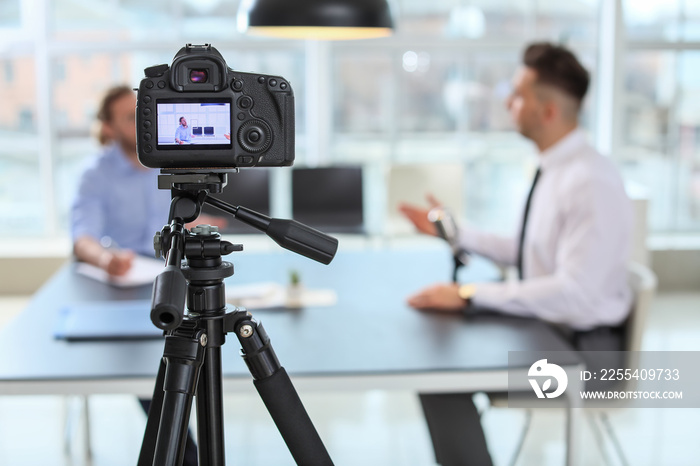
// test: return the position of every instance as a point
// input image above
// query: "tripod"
(191, 362)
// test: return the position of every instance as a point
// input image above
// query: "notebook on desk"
(107, 320)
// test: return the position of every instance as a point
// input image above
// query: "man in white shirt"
(571, 247)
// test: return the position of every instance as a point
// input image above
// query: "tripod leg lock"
(257, 351)
(184, 355)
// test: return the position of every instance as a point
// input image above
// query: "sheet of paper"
(143, 272)
(268, 295)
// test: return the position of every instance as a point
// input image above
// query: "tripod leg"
(292, 420)
(210, 424)
(148, 446)
(183, 356)
(280, 397)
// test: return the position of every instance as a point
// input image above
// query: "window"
(50, 112)
(661, 120)
(435, 93)
(432, 93)
(9, 13)
(21, 190)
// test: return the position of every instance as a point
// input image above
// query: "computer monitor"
(329, 199)
(196, 130)
(248, 188)
(208, 130)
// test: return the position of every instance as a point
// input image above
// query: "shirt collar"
(564, 149)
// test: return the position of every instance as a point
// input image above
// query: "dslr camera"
(199, 114)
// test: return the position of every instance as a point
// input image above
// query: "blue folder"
(107, 320)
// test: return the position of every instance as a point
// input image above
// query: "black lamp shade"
(317, 19)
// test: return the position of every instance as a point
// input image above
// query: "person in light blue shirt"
(118, 200)
(182, 133)
(118, 207)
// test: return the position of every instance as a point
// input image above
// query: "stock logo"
(543, 370)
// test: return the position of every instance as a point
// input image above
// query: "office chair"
(643, 284)
(642, 281)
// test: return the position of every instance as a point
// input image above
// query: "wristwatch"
(466, 292)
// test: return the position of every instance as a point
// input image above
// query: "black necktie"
(524, 225)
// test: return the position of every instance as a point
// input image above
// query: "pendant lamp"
(316, 19)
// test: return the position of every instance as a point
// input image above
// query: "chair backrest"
(411, 183)
(642, 281)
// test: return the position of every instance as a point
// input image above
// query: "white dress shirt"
(576, 246)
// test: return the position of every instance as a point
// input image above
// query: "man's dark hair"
(556, 66)
(180, 120)
(104, 111)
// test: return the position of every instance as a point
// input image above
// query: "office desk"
(369, 340)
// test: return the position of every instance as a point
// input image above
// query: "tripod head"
(203, 247)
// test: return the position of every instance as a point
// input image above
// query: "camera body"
(198, 114)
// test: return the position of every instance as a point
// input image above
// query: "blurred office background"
(433, 93)
(407, 110)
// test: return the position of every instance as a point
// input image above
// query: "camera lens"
(198, 76)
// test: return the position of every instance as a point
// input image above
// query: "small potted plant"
(295, 290)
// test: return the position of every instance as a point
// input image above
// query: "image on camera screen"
(194, 123)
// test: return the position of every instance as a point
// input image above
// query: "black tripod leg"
(148, 446)
(292, 420)
(210, 427)
(183, 356)
(280, 397)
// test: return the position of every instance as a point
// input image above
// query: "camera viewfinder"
(198, 76)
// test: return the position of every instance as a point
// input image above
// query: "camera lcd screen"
(180, 124)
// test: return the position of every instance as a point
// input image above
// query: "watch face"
(466, 291)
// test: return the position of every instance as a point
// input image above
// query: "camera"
(198, 114)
